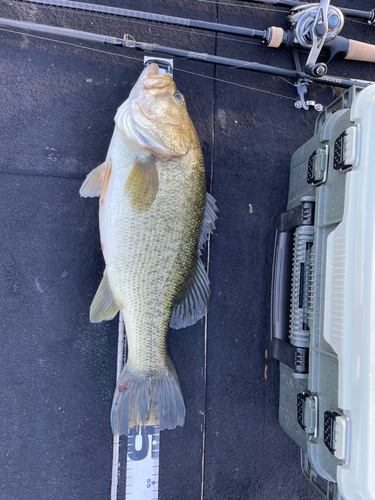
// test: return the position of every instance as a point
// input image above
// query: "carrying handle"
(279, 345)
(281, 278)
(301, 215)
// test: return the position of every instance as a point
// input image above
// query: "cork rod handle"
(276, 37)
(359, 51)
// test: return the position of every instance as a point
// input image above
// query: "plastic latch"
(351, 147)
(307, 413)
(317, 167)
(346, 150)
(336, 434)
(341, 437)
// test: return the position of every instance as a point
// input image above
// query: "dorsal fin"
(208, 224)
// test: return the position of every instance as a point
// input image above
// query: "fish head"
(155, 115)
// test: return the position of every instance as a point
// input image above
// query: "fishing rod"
(307, 30)
(368, 16)
(313, 27)
(129, 42)
(149, 16)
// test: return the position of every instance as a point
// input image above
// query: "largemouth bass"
(154, 218)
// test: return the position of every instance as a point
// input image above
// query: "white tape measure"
(142, 457)
(142, 465)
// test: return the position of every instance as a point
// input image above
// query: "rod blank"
(149, 16)
(54, 30)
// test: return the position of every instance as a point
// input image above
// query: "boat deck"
(57, 369)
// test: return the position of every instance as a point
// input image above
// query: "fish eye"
(179, 97)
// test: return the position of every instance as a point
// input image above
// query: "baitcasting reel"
(313, 25)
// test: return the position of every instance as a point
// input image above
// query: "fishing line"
(287, 81)
(141, 60)
(237, 84)
(72, 44)
(212, 157)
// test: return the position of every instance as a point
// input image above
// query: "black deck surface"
(57, 370)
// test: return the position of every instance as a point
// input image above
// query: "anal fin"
(104, 306)
(192, 305)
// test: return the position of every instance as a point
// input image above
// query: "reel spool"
(303, 18)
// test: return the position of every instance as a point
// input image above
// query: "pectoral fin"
(92, 185)
(104, 306)
(143, 182)
(192, 304)
(106, 174)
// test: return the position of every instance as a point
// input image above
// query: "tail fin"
(142, 399)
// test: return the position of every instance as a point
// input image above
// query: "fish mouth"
(147, 119)
(155, 82)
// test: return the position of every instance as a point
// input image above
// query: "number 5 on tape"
(142, 466)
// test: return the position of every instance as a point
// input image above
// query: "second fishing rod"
(129, 42)
(300, 35)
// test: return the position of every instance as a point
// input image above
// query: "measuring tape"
(142, 464)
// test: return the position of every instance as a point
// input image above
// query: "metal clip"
(165, 65)
(302, 90)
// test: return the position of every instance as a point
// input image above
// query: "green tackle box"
(323, 300)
